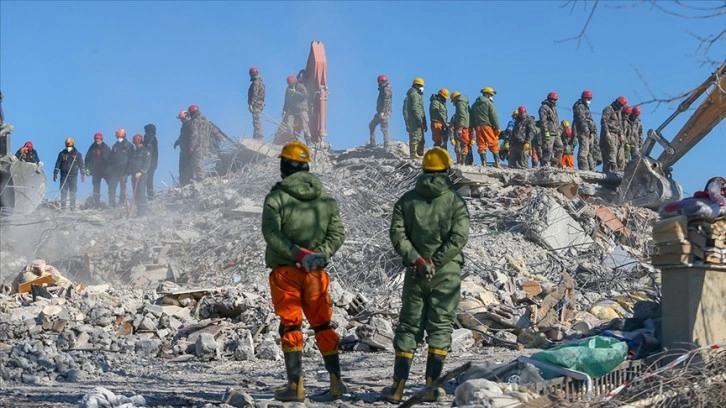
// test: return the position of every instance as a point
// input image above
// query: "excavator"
(22, 185)
(648, 182)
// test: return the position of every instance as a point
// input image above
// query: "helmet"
(70, 142)
(553, 95)
(565, 124)
(627, 110)
(296, 151)
(137, 139)
(622, 100)
(515, 113)
(193, 109)
(489, 90)
(455, 95)
(418, 81)
(29, 145)
(586, 94)
(444, 92)
(636, 111)
(382, 78)
(522, 110)
(436, 159)
(182, 115)
(291, 80)
(98, 136)
(254, 71)
(121, 133)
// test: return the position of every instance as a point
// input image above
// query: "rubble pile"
(189, 282)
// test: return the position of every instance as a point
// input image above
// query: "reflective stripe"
(329, 353)
(438, 352)
(291, 349)
(404, 354)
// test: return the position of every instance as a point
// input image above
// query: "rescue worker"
(520, 143)
(68, 164)
(256, 102)
(98, 158)
(384, 107)
(139, 165)
(429, 228)
(611, 134)
(624, 145)
(585, 130)
(27, 153)
(414, 116)
(296, 108)
(460, 122)
(303, 229)
(118, 169)
(636, 133)
(506, 136)
(485, 121)
(536, 148)
(184, 144)
(152, 146)
(550, 123)
(439, 114)
(569, 141)
(202, 136)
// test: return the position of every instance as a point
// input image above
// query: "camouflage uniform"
(636, 135)
(550, 141)
(415, 118)
(585, 130)
(523, 133)
(296, 109)
(202, 136)
(624, 145)
(256, 102)
(610, 134)
(384, 107)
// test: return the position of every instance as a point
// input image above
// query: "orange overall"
(487, 137)
(437, 133)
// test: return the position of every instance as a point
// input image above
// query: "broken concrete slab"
(557, 230)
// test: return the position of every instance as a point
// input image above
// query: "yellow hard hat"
(296, 151)
(515, 113)
(70, 142)
(455, 95)
(418, 81)
(565, 124)
(444, 92)
(489, 90)
(436, 159)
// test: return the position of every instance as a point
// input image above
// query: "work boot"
(337, 386)
(497, 163)
(434, 367)
(420, 149)
(412, 150)
(483, 157)
(371, 141)
(294, 391)
(401, 367)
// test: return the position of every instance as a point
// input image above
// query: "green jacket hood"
(432, 185)
(463, 99)
(302, 185)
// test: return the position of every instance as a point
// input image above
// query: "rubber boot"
(371, 141)
(294, 391)
(401, 367)
(497, 163)
(337, 386)
(412, 150)
(434, 367)
(420, 149)
(483, 157)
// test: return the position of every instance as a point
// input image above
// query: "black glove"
(314, 262)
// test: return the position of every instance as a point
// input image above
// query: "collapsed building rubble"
(545, 262)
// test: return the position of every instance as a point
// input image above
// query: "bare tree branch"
(583, 32)
(711, 13)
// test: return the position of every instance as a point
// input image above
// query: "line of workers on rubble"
(123, 160)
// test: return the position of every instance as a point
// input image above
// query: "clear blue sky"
(76, 68)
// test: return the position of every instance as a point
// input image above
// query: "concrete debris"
(101, 397)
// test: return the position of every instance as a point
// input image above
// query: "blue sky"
(76, 68)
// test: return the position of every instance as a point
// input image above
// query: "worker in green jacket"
(429, 228)
(461, 125)
(303, 229)
(414, 116)
(439, 114)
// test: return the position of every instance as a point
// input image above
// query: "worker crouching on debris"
(303, 229)
(429, 228)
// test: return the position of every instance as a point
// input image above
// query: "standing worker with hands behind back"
(69, 163)
(303, 229)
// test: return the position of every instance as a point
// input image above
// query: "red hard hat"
(553, 96)
(636, 111)
(586, 94)
(193, 109)
(121, 133)
(254, 70)
(522, 110)
(383, 78)
(291, 80)
(138, 139)
(622, 100)
(98, 136)
(29, 145)
(627, 110)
